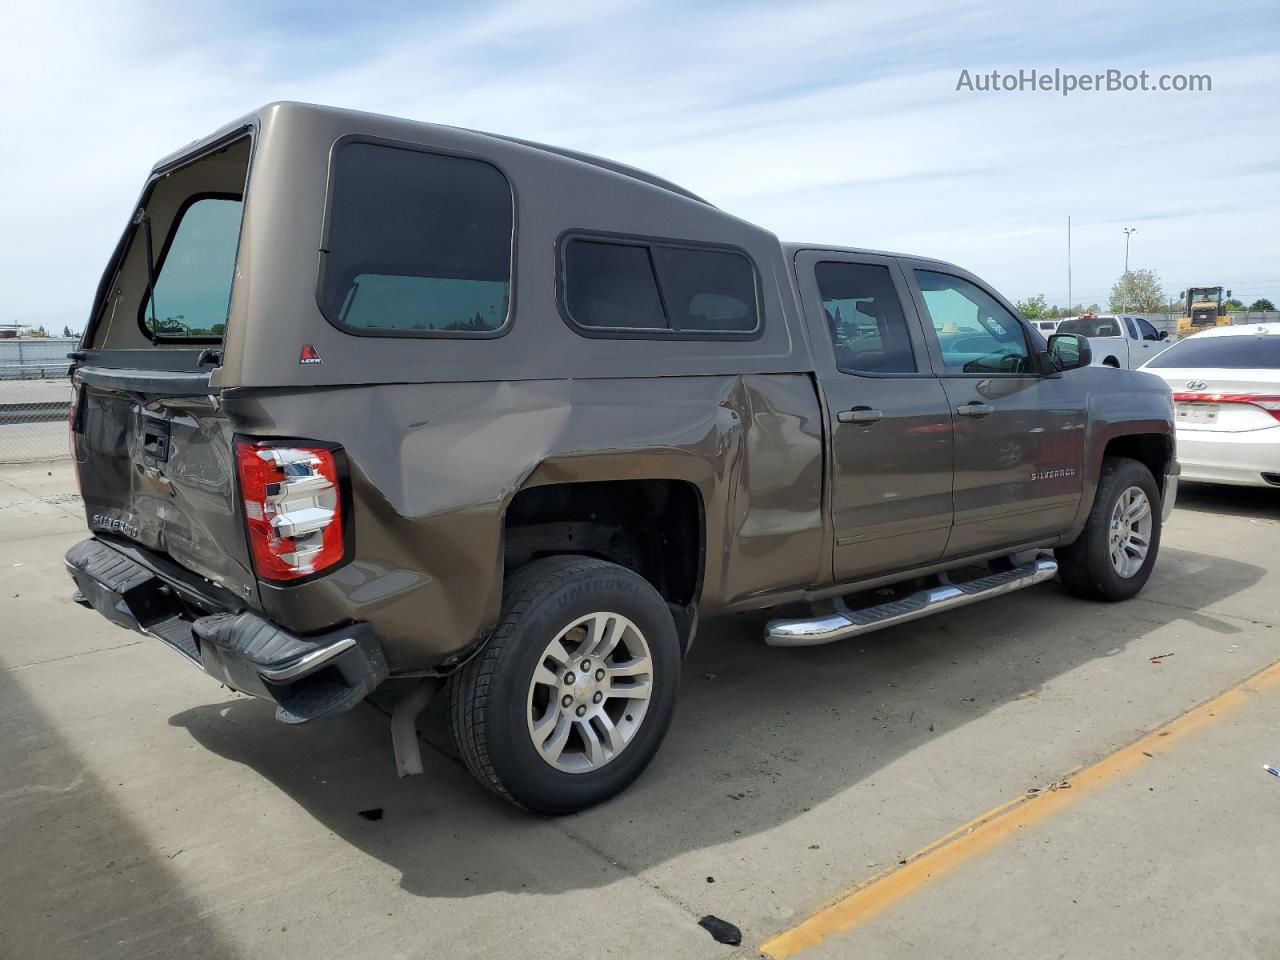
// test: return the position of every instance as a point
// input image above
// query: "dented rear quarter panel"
(434, 467)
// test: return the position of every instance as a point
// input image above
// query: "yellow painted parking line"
(981, 834)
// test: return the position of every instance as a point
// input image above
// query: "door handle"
(975, 409)
(860, 415)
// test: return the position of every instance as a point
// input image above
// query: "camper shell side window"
(417, 243)
(611, 285)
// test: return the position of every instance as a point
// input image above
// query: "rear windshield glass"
(195, 269)
(646, 287)
(170, 281)
(1093, 327)
(1261, 352)
(419, 244)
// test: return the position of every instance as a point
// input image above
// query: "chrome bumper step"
(844, 622)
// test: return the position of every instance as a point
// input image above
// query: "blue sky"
(825, 122)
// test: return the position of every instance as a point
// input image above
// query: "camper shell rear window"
(194, 270)
(417, 243)
(170, 280)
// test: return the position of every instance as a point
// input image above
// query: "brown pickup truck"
(362, 398)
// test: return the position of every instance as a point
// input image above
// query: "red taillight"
(1268, 403)
(292, 507)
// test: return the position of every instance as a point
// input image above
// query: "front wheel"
(572, 696)
(1114, 554)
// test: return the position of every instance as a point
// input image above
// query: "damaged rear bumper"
(306, 677)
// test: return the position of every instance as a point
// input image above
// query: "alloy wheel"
(589, 692)
(1130, 532)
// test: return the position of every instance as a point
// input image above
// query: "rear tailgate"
(156, 464)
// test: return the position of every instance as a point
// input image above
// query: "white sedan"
(1226, 394)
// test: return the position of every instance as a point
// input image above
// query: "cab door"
(1147, 342)
(890, 421)
(1020, 426)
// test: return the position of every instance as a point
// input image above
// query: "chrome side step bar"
(843, 622)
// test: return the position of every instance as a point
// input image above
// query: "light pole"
(1068, 263)
(1128, 231)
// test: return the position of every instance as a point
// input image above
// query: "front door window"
(976, 333)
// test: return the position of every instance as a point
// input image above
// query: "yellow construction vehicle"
(1204, 308)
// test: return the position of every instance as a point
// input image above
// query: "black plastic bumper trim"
(306, 677)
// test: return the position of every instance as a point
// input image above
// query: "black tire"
(1085, 566)
(490, 694)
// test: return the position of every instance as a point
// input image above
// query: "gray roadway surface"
(144, 811)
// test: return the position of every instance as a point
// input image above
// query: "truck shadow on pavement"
(760, 735)
(80, 878)
(1259, 503)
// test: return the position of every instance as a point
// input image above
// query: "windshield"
(1260, 352)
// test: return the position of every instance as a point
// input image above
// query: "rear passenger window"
(865, 319)
(652, 288)
(418, 244)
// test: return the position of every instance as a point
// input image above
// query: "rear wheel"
(573, 694)
(1114, 554)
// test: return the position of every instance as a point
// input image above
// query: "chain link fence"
(33, 420)
(35, 397)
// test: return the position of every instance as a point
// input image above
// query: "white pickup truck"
(1121, 340)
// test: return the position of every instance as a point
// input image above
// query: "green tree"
(1093, 308)
(1139, 291)
(1261, 304)
(1055, 312)
(66, 332)
(1033, 307)
(1233, 305)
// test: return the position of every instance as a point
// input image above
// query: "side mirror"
(1164, 335)
(1069, 351)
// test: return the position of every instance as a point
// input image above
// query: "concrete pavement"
(1160, 850)
(144, 811)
